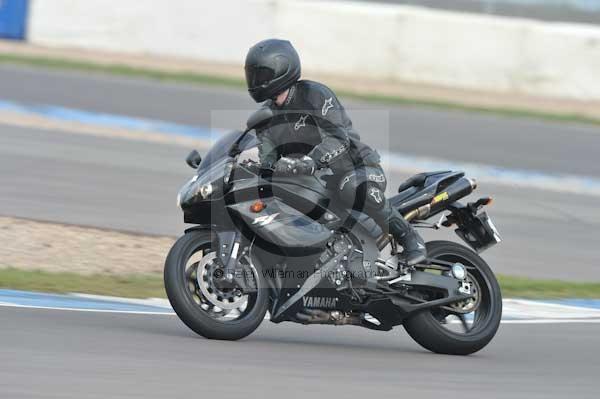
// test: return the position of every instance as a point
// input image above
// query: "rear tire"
(428, 332)
(177, 284)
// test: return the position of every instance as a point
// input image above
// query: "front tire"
(191, 304)
(428, 328)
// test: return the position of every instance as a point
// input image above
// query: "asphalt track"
(63, 354)
(131, 185)
(453, 135)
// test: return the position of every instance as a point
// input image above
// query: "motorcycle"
(265, 243)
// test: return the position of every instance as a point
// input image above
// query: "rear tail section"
(427, 194)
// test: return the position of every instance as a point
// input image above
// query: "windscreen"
(221, 147)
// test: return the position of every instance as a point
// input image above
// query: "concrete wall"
(350, 38)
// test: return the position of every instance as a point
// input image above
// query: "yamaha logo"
(319, 302)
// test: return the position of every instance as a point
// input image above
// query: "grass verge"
(130, 286)
(151, 285)
(519, 287)
(196, 78)
(117, 69)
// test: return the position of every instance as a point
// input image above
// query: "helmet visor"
(258, 76)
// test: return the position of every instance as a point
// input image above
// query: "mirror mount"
(260, 118)
(193, 159)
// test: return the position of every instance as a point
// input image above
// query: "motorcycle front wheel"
(191, 275)
(463, 328)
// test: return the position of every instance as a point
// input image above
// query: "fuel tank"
(283, 226)
(307, 194)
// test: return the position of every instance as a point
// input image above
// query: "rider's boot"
(414, 246)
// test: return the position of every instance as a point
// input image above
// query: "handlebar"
(257, 169)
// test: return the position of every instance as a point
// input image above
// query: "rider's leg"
(404, 233)
(364, 190)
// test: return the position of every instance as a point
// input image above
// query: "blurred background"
(583, 11)
(101, 101)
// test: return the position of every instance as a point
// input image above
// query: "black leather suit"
(313, 122)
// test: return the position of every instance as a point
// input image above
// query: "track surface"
(57, 354)
(453, 135)
(131, 185)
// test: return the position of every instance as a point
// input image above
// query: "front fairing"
(204, 186)
(216, 166)
(221, 147)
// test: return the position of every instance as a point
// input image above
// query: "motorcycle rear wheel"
(430, 328)
(190, 302)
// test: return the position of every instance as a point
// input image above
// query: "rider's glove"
(285, 166)
(293, 166)
(306, 166)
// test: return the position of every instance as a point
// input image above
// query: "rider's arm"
(267, 149)
(328, 113)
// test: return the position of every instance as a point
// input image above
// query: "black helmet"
(272, 66)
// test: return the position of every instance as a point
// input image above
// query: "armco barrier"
(365, 39)
(13, 19)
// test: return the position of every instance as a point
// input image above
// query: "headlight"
(183, 193)
(200, 188)
(206, 190)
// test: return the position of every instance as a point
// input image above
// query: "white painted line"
(76, 121)
(156, 302)
(57, 126)
(527, 309)
(552, 321)
(531, 179)
(13, 305)
(548, 305)
(504, 321)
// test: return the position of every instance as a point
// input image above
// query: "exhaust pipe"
(457, 190)
(418, 213)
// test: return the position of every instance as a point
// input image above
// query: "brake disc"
(209, 270)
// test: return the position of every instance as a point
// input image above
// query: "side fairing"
(283, 226)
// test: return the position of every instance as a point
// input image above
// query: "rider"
(312, 130)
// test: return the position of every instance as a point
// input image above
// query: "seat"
(418, 180)
(408, 197)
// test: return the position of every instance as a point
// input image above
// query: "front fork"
(231, 247)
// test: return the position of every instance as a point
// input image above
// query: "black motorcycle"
(279, 244)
